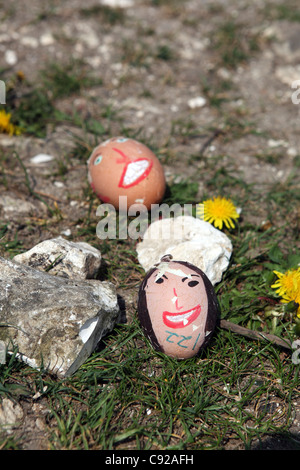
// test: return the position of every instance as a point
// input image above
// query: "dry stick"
(216, 134)
(227, 325)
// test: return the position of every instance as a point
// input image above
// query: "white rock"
(197, 102)
(277, 143)
(118, 3)
(72, 260)
(41, 158)
(29, 41)
(47, 39)
(10, 414)
(66, 233)
(186, 238)
(2, 352)
(10, 57)
(59, 184)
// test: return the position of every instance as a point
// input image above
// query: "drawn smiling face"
(177, 305)
(125, 167)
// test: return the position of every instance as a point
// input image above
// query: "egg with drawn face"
(177, 308)
(126, 167)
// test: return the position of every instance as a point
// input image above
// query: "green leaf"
(276, 255)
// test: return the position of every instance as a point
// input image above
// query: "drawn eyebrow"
(184, 278)
(160, 278)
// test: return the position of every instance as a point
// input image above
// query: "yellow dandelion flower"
(6, 126)
(218, 211)
(287, 286)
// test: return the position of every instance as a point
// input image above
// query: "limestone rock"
(10, 415)
(56, 323)
(186, 238)
(63, 258)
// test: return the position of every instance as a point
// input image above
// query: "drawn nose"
(175, 300)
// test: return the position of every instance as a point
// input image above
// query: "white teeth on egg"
(183, 317)
(135, 170)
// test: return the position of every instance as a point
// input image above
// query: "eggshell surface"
(126, 167)
(177, 308)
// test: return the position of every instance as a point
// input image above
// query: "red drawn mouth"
(134, 171)
(181, 320)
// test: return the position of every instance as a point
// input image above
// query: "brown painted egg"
(177, 308)
(125, 167)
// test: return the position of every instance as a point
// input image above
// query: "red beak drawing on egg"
(177, 308)
(125, 167)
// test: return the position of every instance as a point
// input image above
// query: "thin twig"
(227, 325)
(216, 134)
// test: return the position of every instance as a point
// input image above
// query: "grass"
(234, 44)
(34, 108)
(109, 15)
(125, 396)
(283, 12)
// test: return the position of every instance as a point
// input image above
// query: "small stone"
(10, 57)
(47, 39)
(277, 143)
(63, 258)
(66, 233)
(2, 352)
(29, 41)
(118, 3)
(59, 184)
(189, 239)
(10, 415)
(197, 102)
(41, 158)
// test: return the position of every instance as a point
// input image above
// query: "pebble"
(66, 233)
(41, 158)
(10, 57)
(118, 3)
(2, 352)
(47, 39)
(59, 184)
(10, 414)
(277, 143)
(29, 41)
(197, 102)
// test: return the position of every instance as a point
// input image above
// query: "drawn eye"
(122, 139)
(159, 281)
(98, 160)
(193, 283)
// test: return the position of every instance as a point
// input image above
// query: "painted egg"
(177, 308)
(125, 167)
